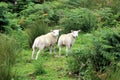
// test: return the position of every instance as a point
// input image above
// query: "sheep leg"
(67, 50)
(59, 50)
(33, 53)
(54, 49)
(50, 49)
(37, 54)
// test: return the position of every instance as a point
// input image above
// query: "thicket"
(107, 48)
(80, 18)
(97, 57)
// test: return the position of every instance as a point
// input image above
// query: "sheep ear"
(71, 30)
(79, 30)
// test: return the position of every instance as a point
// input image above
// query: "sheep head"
(75, 33)
(56, 32)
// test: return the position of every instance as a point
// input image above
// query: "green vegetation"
(35, 29)
(94, 56)
(8, 50)
(80, 18)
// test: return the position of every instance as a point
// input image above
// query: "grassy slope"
(55, 67)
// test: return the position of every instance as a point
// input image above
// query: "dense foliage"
(82, 18)
(102, 54)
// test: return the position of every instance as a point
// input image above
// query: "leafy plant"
(79, 63)
(105, 17)
(81, 18)
(3, 20)
(106, 49)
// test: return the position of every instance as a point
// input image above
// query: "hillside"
(95, 54)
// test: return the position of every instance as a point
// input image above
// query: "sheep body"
(67, 40)
(44, 41)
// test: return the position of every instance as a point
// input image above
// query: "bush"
(98, 52)
(3, 20)
(78, 57)
(13, 22)
(79, 62)
(8, 54)
(106, 49)
(94, 4)
(37, 11)
(106, 17)
(81, 3)
(36, 29)
(78, 19)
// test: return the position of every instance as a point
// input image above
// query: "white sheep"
(67, 40)
(44, 41)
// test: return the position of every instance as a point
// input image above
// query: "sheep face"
(55, 32)
(75, 33)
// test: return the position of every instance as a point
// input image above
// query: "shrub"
(81, 3)
(37, 11)
(79, 64)
(3, 20)
(95, 4)
(8, 54)
(79, 60)
(36, 29)
(112, 4)
(106, 49)
(13, 22)
(100, 52)
(81, 18)
(75, 62)
(105, 17)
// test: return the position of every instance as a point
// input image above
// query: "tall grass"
(39, 68)
(8, 50)
(114, 75)
(35, 29)
(21, 38)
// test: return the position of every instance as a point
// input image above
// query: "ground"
(54, 67)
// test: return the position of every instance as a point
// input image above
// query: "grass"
(55, 68)
(8, 54)
(114, 75)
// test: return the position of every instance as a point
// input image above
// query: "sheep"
(44, 41)
(67, 40)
